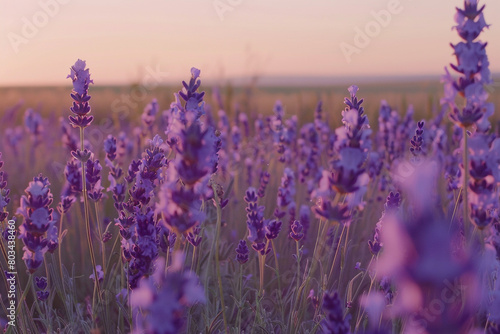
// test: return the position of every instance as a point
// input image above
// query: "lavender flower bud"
(296, 233)
(110, 147)
(334, 323)
(4, 193)
(42, 295)
(242, 252)
(41, 282)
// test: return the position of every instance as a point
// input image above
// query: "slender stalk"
(343, 258)
(240, 283)
(455, 208)
(59, 251)
(262, 264)
(336, 251)
(297, 284)
(280, 299)
(87, 227)
(217, 264)
(466, 185)
(103, 246)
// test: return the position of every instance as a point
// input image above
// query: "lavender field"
(362, 208)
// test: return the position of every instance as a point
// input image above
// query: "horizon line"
(274, 81)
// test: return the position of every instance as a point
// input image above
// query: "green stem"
(336, 250)
(59, 252)
(466, 185)
(240, 283)
(343, 258)
(217, 264)
(37, 306)
(87, 227)
(297, 281)
(103, 246)
(280, 299)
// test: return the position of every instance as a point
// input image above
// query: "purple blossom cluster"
(160, 302)
(195, 145)
(4, 193)
(161, 198)
(38, 230)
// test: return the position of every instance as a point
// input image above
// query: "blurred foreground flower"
(160, 302)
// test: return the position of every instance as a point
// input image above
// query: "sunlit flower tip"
(353, 90)
(41, 282)
(195, 73)
(80, 77)
(100, 273)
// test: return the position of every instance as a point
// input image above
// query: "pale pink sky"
(123, 40)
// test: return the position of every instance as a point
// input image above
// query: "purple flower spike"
(242, 252)
(100, 273)
(334, 323)
(353, 90)
(160, 302)
(81, 108)
(106, 236)
(41, 282)
(65, 204)
(273, 228)
(264, 181)
(82, 156)
(110, 147)
(73, 174)
(255, 222)
(417, 141)
(189, 93)
(325, 210)
(296, 233)
(193, 237)
(473, 66)
(80, 76)
(93, 175)
(37, 214)
(391, 206)
(4, 193)
(42, 295)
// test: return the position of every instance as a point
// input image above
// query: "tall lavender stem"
(81, 80)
